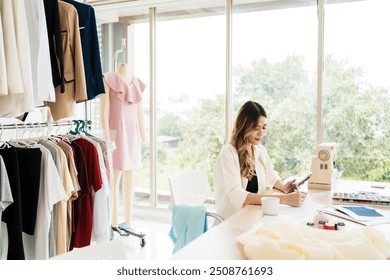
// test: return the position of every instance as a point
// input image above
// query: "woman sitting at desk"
(243, 171)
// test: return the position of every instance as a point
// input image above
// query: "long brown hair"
(246, 121)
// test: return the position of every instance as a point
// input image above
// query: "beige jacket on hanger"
(75, 87)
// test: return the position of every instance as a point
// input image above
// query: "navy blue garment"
(90, 48)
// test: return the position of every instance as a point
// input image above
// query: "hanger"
(73, 134)
(3, 145)
(38, 126)
(43, 133)
(20, 142)
(34, 140)
(24, 131)
(32, 129)
(77, 129)
(58, 128)
(17, 142)
(43, 137)
(83, 128)
(56, 137)
(71, 126)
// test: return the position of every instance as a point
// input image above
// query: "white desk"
(220, 242)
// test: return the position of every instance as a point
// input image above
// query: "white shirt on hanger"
(40, 54)
(101, 220)
(51, 191)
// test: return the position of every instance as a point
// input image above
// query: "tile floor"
(158, 245)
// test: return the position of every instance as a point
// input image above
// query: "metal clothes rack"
(41, 124)
(85, 124)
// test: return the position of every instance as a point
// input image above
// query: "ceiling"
(115, 10)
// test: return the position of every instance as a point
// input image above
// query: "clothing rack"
(67, 189)
(43, 124)
(21, 128)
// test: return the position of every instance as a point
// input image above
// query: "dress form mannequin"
(125, 173)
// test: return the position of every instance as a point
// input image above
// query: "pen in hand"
(296, 187)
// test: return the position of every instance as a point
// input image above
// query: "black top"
(29, 163)
(12, 216)
(23, 168)
(253, 185)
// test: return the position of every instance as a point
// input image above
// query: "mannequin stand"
(118, 230)
(124, 229)
(134, 232)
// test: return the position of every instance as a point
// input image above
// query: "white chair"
(193, 188)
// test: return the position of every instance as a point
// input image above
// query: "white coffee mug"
(270, 205)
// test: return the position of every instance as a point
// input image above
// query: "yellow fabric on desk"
(285, 241)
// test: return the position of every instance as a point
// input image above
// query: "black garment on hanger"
(29, 161)
(253, 185)
(55, 42)
(12, 215)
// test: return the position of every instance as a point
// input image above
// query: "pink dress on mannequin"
(123, 121)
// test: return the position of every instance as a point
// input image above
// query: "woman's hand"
(296, 198)
(290, 186)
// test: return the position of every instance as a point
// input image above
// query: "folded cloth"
(188, 223)
(286, 241)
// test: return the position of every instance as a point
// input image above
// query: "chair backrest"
(191, 187)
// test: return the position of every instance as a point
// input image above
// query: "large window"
(357, 97)
(190, 90)
(189, 94)
(274, 62)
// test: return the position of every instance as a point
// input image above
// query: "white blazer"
(230, 186)
(26, 102)
(40, 54)
(15, 82)
(20, 97)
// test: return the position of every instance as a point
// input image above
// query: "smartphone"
(304, 179)
(301, 182)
